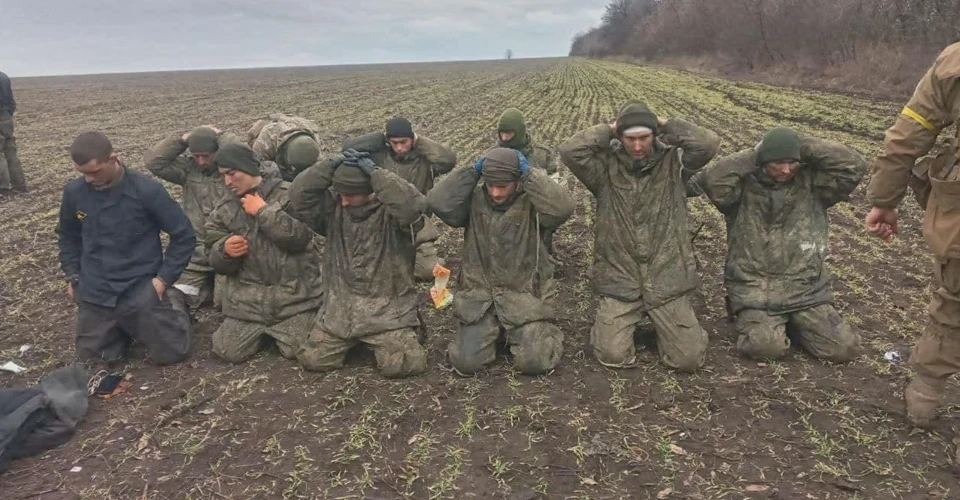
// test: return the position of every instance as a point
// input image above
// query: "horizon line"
(302, 66)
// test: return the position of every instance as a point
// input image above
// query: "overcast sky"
(53, 37)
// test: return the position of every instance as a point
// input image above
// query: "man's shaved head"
(90, 146)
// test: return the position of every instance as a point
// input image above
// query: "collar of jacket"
(359, 214)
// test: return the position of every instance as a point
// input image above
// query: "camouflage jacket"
(504, 262)
(777, 234)
(427, 160)
(203, 187)
(267, 138)
(280, 275)
(368, 252)
(642, 247)
(935, 105)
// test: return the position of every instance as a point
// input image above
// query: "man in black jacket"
(110, 252)
(11, 172)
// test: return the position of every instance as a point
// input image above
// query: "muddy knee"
(404, 363)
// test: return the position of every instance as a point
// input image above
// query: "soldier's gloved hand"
(359, 159)
(524, 164)
(478, 166)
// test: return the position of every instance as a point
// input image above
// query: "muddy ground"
(797, 428)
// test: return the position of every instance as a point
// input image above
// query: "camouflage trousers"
(937, 354)
(237, 340)
(162, 326)
(819, 330)
(398, 352)
(427, 258)
(198, 286)
(536, 347)
(680, 339)
(11, 171)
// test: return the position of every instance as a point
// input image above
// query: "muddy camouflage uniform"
(935, 105)
(11, 170)
(368, 283)
(421, 166)
(275, 289)
(643, 255)
(203, 188)
(268, 137)
(506, 274)
(777, 246)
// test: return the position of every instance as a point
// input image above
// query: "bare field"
(797, 428)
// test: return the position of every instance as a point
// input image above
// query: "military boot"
(923, 395)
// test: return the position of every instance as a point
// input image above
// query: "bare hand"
(160, 287)
(214, 128)
(252, 203)
(70, 292)
(661, 121)
(882, 222)
(236, 246)
(613, 125)
(185, 136)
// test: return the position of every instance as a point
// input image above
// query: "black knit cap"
(399, 127)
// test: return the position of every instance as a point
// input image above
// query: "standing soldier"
(512, 133)
(369, 219)
(935, 105)
(11, 172)
(270, 261)
(506, 275)
(116, 269)
(203, 188)
(418, 160)
(775, 199)
(643, 254)
(292, 142)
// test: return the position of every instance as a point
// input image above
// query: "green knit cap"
(237, 156)
(779, 144)
(202, 140)
(512, 120)
(301, 152)
(351, 180)
(636, 114)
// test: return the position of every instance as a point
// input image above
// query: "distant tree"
(509, 54)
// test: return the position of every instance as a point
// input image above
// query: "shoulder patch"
(81, 215)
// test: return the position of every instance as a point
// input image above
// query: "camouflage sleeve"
(916, 129)
(723, 182)
(837, 169)
(288, 233)
(551, 200)
(254, 131)
(311, 201)
(166, 160)
(441, 158)
(216, 234)
(266, 143)
(699, 144)
(586, 155)
(692, 184)
(403, 200)
(451, 198)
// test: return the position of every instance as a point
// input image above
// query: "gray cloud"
(96, 36)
